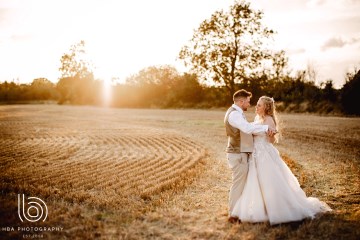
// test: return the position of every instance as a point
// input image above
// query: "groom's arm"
(237, 121)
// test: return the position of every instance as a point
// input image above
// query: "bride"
(272, 193)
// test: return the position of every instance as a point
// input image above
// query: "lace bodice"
(260, 137)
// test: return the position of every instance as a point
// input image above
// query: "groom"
(240, 144)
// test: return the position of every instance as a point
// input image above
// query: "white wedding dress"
(272, 192)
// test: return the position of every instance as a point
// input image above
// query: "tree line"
(165, 87)
(228, 51)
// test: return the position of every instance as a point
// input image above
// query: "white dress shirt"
(237, 120)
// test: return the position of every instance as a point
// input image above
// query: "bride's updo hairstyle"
(270, 110)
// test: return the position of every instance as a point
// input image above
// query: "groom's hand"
(271, 132)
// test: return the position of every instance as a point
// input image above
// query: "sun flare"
(107, 93)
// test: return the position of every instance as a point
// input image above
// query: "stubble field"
(162, 174)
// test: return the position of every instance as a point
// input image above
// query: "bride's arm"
(270, 122)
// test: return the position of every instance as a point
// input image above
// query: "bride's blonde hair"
(270, 110)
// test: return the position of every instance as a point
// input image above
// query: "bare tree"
(311, 73)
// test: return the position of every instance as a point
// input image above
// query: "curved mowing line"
(124, 178)
(89, 162)
(142, 176)
(178, 165)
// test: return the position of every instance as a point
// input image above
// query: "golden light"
(107, 92)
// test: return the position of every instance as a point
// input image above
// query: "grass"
(162, 174)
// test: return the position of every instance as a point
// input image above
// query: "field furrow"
(90, 160)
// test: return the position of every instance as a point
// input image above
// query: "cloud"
(337, 42)
(21, 37)
(333, 43)
(324, 2)
(350, 1)
(296, 51)
(315, 2)
(4, 12)
(355, 40)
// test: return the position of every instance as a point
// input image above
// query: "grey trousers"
(238, 163)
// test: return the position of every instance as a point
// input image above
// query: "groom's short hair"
(242, 93)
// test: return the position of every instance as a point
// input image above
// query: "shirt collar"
(238, 108)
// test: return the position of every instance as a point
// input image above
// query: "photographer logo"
(33, 210)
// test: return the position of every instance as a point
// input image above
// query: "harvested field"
(162, 174)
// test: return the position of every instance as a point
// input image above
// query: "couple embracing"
(263, 187)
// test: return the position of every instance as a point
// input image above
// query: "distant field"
(143, 174)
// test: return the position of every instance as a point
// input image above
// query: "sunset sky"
(123, 37)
